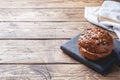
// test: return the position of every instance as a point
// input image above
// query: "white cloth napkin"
(106, 16)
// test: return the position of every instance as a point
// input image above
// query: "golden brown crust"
(95, 43)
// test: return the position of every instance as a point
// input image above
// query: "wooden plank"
(41, 14)
(42, 30)
(54, 72)
(57, 78)
(48, 3)
(33, 51)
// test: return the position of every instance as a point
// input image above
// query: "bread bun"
(95, 43)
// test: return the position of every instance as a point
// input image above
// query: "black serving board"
(102, 66)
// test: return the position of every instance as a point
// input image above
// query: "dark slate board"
(117, 50)
(102, 66)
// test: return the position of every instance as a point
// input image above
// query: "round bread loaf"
(95, 43)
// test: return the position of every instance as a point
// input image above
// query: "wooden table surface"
(31, 32)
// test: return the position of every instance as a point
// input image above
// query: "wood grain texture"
(48, 3)
(42, 30)
(33, 51)
(12, 14)
(53, 72)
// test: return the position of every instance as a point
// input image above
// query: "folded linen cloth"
(106, 16)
